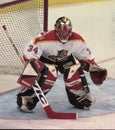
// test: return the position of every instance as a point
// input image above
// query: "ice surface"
(104, 106)
(57, 97)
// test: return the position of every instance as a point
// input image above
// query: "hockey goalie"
(59, 52)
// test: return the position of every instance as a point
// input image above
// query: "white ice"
(96, 23)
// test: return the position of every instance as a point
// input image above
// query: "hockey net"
(24, 20)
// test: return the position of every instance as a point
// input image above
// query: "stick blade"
(59, 115)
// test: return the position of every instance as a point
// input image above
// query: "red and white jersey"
(51, 48)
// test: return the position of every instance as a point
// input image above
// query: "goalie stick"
(39, 93)
(12, 43)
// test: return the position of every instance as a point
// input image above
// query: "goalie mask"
(63, 28)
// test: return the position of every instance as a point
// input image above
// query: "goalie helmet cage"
(24, 20)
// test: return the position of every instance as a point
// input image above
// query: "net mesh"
(24, 20)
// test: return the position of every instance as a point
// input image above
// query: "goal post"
(24, 19)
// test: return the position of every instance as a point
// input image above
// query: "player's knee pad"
(44, 74)
(76, 94)
(50, 78)
(26, 100)
(72, 78)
